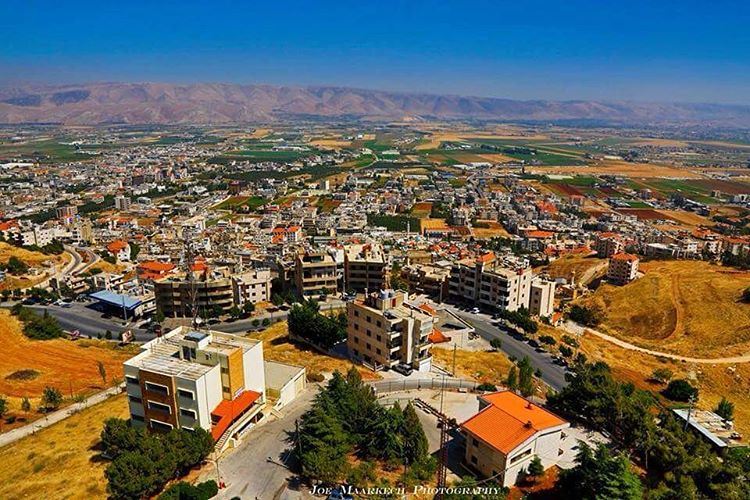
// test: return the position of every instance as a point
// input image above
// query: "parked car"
(475, 310)
(403, 369)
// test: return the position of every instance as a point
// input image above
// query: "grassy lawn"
(61, 460)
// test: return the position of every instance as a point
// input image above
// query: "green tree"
(118, 436)
(324, 446)
(159, 316)
(746, 295)
(725, 409)
(526, 377)
(235, 312)
(680, 390)
(108, 335)
(51, 398)
(414, 441)
(248, 307)
(16, 266)
(512, 380)
(599, 474)
(3, 407)
(25, 404)
(536, 469)
(662, 375)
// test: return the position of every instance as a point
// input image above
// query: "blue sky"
(635, 50)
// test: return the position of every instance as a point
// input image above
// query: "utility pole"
(453, 372)
(443, 451)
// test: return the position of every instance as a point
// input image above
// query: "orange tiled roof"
(116, 246)
(539, 234)
(488, 257)
(625, 256)
(438, 337)
(509, 420)
(156, 266)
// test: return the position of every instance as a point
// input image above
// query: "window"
(356, 313)
(379, 338)
(356, 326)
(475, 441)
(158, 388)
(187, 413)
(185, 394)
(160, 426)
(131, 380)
(369, 319)
(369, 333)
(379, 323)
(520, 456)
(473, 459)
(356, 340)
(378, 351)
(153, 405)
(135, 399)
(136, 418)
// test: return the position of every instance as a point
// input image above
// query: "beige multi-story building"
(252, 286)
(385, 330)
(490, 286)
(365, 267)
(542, 299)
(315, 273)
(122, 203)
(210, 292)
(66, 212)
(623, 268)
(429, 279)
(189, 378)
(608, 244)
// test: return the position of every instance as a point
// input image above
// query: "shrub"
(680, 390)
(51, 398)
(586, 315)
(315, 377)
(496, 343)
(547, 339)
(661, 375)
(486, 387)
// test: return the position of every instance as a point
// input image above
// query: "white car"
(475, 310)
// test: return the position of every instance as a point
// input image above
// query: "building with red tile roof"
(507, 432)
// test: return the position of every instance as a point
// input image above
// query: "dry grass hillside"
(31, 258)
(713, 381)
(585, 267)
(28, 366)
(278, 347)
(686, 307)
(61, 461)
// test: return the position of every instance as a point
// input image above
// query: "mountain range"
(219, 103)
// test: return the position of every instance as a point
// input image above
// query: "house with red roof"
(120, 249)
(507, 433)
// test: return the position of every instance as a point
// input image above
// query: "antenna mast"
(189, 262)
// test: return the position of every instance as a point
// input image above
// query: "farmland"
(685, 307)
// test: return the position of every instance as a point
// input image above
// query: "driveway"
(247, 471)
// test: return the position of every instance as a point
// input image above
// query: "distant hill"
(206, 103)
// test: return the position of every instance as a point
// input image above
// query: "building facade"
(490, 286)
(623, 268)
(212, 295)
(506, 434)
(315, 273)
(365, 267)
(384, 330)
(188, 379)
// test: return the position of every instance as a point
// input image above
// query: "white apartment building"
(189, 378)
(623, 268)
(252, 286)
(482, 282)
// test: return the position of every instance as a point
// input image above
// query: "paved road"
(552, 374)
(88, 321)
(246, 469)
(54, 417)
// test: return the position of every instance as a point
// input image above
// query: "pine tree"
(536, 468)
(415, 441)
(512, 381)
(526, 377)
(725, 409)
